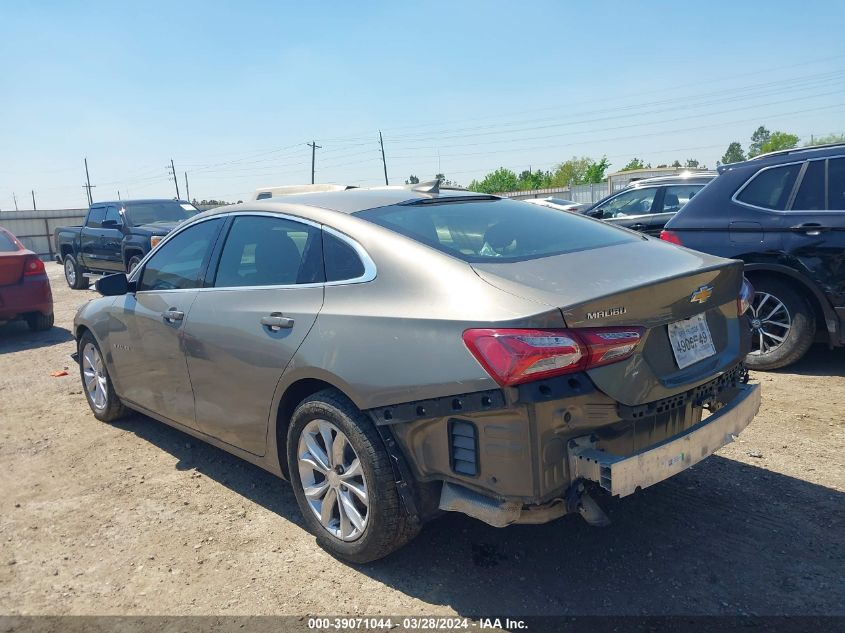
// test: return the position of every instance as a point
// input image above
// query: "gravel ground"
(138, 518)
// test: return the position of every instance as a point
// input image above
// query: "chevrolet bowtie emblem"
(702, 294)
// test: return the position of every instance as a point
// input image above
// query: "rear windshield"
(497, 230)
(158, 212)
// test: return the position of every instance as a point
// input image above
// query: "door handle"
(811, 228)
(276, 322)
(172, 315)
(637, 227)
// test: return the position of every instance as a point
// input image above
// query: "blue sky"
(232, 91)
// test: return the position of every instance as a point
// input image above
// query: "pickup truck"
(116, 236)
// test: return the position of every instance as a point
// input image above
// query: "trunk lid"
(650, 284)
(11, 267)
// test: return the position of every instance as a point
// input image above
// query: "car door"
(669, 201)
(631, 208)
(89, 237)
(814, 226)
(146, 333)
(110, 240)
(246, 325)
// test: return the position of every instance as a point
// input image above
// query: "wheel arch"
(294, 393)
(823, 311)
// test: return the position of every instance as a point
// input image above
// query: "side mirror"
(597, 213)
(114, 285)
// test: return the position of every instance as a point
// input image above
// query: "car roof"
(789, 155)
(137, 201)
(696, 178)
(354, 200)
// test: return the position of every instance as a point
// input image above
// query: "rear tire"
(74, 273)
(38, 321)
(96, 382)
(387, 526)
(133, 262)
(779, 312)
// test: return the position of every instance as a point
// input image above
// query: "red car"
(24, 288)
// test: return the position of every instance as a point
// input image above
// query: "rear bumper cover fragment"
(622, 475)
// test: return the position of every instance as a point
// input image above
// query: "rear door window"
(7, 244)
(810, 196)
(770, 188)
(634, 202)
(265, 251)
(836, 184)
(95, 217)
(496, 230)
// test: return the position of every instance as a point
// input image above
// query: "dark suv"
(783, 214)
(646, 205)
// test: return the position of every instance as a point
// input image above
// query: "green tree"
(691, 163)
(825, 140)
(634, 163)
(677, 164)
(572, 171)
(445, 182)
(733, 154)
(778, 141)
(496, 181)
(760, 137)
(412, 180)
(595, 173)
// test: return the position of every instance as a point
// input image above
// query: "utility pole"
(118, 194)
(187, 190)
(33, 200)
(15, 198)
(314, 147)
(384, 162)
(172, 172)
(88, 186)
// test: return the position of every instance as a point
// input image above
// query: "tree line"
(763, 141)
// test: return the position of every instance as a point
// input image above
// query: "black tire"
(38, 321)
(74, 273)
(802, 330)
(113, 408)
(388, 525)
(133, 261)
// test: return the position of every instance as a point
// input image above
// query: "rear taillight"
(745, 298)
(514, 356)
(670, 236)
(33, 266)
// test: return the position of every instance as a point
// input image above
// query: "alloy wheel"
(333, 480)
(94, 375)
(70, 271)
(770, 323)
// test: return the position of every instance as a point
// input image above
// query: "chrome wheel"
(94, 376)
(770, 323)
(333, 480)
(70, 272)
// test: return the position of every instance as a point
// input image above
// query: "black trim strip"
(489, 400)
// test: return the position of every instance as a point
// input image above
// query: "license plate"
(691, 340)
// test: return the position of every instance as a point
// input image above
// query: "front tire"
(39, 322)
(96, 382)
(133, 262)
(74, 274)
(343, 480)
(783, 325)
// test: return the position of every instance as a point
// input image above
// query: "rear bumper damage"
(623, 475)
(620, 475)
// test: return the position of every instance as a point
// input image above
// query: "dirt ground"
(138, 518)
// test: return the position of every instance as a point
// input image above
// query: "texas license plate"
(691, 340)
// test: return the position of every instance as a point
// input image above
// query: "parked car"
(783, 214)
(558, 203)
(116, 235)
(400, 352)
(646, 205)
(24, 288)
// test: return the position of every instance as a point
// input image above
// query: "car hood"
(158, 228)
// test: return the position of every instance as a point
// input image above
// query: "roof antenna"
(429, 186)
